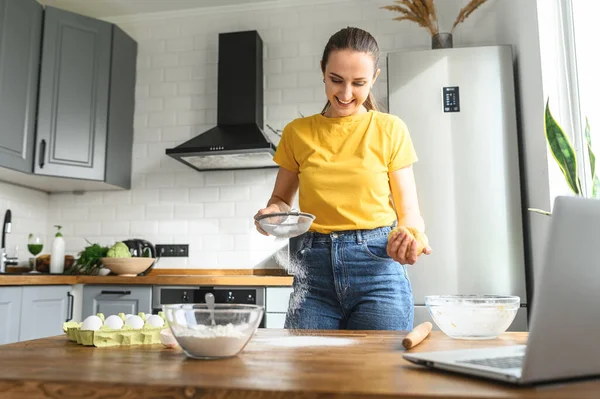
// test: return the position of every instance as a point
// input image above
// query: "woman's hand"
(286, 185)
(402, 247)
(269, 209)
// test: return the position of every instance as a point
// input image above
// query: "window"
(570, 80)
(586, 80)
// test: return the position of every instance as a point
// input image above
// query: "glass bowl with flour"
(473, 316)
(204, 333)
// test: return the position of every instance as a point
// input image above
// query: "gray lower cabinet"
(115, 299)
(276, 306)
(44, 309)
(87, 68)
(10, 314)
(20, 37)
(32, 312)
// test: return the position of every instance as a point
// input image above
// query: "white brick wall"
(29, 215)
(176, 100)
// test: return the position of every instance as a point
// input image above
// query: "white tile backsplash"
(176, 99)
(29, 209)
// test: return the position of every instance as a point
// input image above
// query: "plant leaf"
(562, 150)
(588, 139)
(596, 187)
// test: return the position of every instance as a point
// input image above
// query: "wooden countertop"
(275, 364)
(228, 277)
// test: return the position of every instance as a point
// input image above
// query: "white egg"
(155, 321)
(91, 323)
(128, 316)
(167, 338)
(114, 322)
(135, 322)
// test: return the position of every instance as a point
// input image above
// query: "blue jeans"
(346, 280)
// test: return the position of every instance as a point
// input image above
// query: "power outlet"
(172, 250)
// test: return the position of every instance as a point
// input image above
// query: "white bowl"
(473, 316)
(192, 328)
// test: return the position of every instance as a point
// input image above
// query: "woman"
(352, 167)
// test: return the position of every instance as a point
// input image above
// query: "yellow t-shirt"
(342, 166)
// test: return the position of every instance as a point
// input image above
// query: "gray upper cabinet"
(20, 40)
(73, 98)
(86, 100)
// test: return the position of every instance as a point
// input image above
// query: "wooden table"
(275, 364)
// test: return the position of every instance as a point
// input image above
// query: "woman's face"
(349, 76)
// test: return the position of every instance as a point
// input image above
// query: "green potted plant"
(564, 154)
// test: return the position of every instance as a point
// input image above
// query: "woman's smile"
(344, 103)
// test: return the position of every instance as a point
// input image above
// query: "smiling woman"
(348, 162)
(349, 73)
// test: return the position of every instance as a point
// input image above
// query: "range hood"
(238, 140)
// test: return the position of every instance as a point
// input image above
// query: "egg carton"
(106, 336)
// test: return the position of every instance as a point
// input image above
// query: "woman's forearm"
(283, 206)
(412, 220)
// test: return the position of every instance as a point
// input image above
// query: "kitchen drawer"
(274, 320)
(115, 299)
(278, 299)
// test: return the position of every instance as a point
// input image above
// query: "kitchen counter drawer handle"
(115, 292)
(71, 299)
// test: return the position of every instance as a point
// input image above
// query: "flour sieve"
(285, 224)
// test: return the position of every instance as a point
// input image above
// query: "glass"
(193, 328)
(35, 245)
(472, 316)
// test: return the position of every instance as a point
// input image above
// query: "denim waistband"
(357, 236)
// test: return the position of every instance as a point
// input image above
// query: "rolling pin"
(418, 334)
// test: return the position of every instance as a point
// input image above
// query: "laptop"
(564, 333)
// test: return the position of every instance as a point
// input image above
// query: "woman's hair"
(358, 40)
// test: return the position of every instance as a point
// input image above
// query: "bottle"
(57, 257)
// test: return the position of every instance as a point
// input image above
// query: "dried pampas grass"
(423, 13)
(466, 11)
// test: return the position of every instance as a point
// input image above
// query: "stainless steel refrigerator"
(459, 106)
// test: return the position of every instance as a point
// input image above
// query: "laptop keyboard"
(508, 362)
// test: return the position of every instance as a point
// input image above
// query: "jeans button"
(334, 235)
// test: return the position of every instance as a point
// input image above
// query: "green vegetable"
(88, 260)
(119, 250)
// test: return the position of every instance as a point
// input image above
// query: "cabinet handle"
(42, 154)
(115, 292)
(71, 300)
